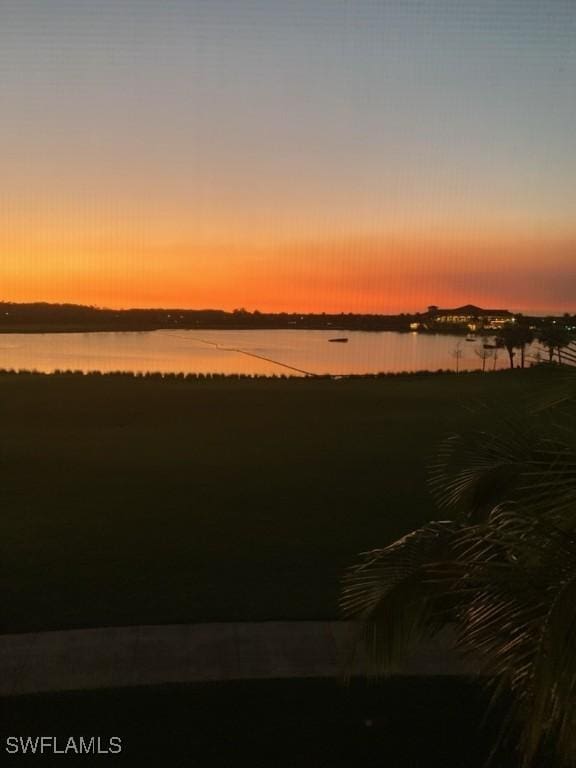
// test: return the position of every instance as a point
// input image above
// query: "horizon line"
(532, 313)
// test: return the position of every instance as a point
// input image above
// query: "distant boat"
(343, 340)
(490, 346)
(470, 337)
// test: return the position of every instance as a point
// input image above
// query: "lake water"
(292, 352)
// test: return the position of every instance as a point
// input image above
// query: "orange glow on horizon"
(259, 155)
(380, 274)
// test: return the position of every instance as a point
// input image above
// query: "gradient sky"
(306, 155)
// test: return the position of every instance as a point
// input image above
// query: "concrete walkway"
(86, 659)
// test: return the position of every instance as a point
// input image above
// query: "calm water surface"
(241, 352)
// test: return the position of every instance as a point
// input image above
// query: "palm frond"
(503, 575)
(524, 457)
(520, 620)
(394, 598)
(474, 470)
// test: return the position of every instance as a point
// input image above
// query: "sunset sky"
(298, 155)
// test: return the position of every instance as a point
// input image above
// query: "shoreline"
(213, 376)
(48, 330)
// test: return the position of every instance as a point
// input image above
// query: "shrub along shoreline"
(213, 376)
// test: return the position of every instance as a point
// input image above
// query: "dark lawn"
(141, 501)
(416, 723)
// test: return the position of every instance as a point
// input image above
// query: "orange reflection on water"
(274, 352)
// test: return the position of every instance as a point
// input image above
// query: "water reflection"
(290, 352)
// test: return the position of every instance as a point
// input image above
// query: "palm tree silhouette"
(554, 338)
(513, 337)
(501, 573)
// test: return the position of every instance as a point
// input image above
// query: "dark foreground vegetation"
(403, 723)
(500, 572)
(128, 500)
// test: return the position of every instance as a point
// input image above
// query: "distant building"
(471, 316)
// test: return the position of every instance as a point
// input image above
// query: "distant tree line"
(78, 317)
(43, 316)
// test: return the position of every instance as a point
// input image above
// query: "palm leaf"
(394, 598)
(503, 575)
(473, 471)
(520, 620)
(528, 457)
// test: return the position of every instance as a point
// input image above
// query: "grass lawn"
(407, 723)
(149, 501)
